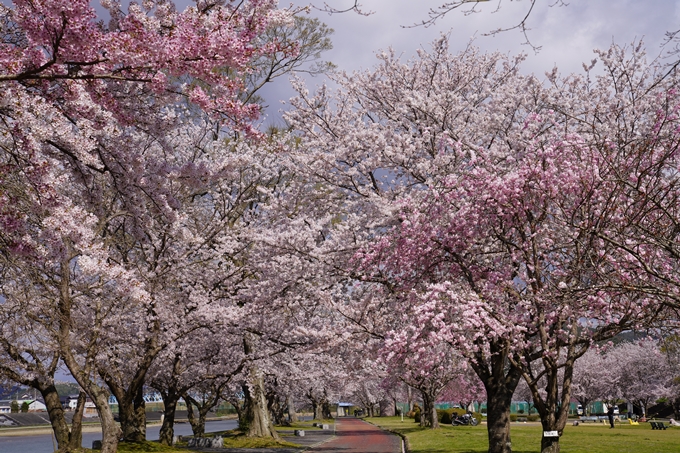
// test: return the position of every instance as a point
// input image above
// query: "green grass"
(526, 438)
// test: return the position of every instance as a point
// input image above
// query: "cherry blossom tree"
(422, 358)
(98, 96)
(465, 388)
(29, 357)
(595, 378)
(643, 371)
(390, 138)
(193, 361)
(503, 194)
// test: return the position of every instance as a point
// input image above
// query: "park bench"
(658, 425)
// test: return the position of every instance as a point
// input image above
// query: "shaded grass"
(526, 438)
(146, 447)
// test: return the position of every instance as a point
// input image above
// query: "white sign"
(550, 434)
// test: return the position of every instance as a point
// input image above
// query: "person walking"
(610, 414)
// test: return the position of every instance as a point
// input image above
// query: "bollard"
(96, 444)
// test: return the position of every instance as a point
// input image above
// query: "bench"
(658, 425)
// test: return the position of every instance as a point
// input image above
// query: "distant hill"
(7, 390)
(67, 388)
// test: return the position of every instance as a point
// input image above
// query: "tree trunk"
(292, 415)
(326, 410)
(132, 413)
(500, 380)
(56, 413)
(550, 444)
(110, 430)
(428, 417)
(256, 412)
(276, 408)
(111, 433)
(197, 422)
(409, 398)
(170, 399)
(76, 438)
(317, 409)
(498, 420)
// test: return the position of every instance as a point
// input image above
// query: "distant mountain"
(7, 390)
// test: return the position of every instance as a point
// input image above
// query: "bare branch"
(470, 7)
(357, 8)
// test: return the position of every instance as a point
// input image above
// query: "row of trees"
(514, 221)
(639, 373)
(458, 219)
(141, 240)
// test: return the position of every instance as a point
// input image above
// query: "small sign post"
(550, 434)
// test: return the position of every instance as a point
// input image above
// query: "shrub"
(412, 413)
(533, 418)
(513, 417)
(458, 411)
(444, 416)
(24, 407)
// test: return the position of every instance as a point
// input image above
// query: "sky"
(567, 34)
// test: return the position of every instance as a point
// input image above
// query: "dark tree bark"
(170, 399)
(429, 415)
(132, 413)
(42, 370)
(500, 380)
(276, 408)
(196, 420)
(316, 407)
(326, 410)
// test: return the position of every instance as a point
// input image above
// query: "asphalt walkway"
(356, 436)
(351, 435)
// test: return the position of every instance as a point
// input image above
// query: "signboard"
(550, 434)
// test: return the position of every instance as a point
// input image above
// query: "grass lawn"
(526, 438)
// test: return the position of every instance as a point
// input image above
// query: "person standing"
(610, 414)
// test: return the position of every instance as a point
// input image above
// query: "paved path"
(356, 436)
